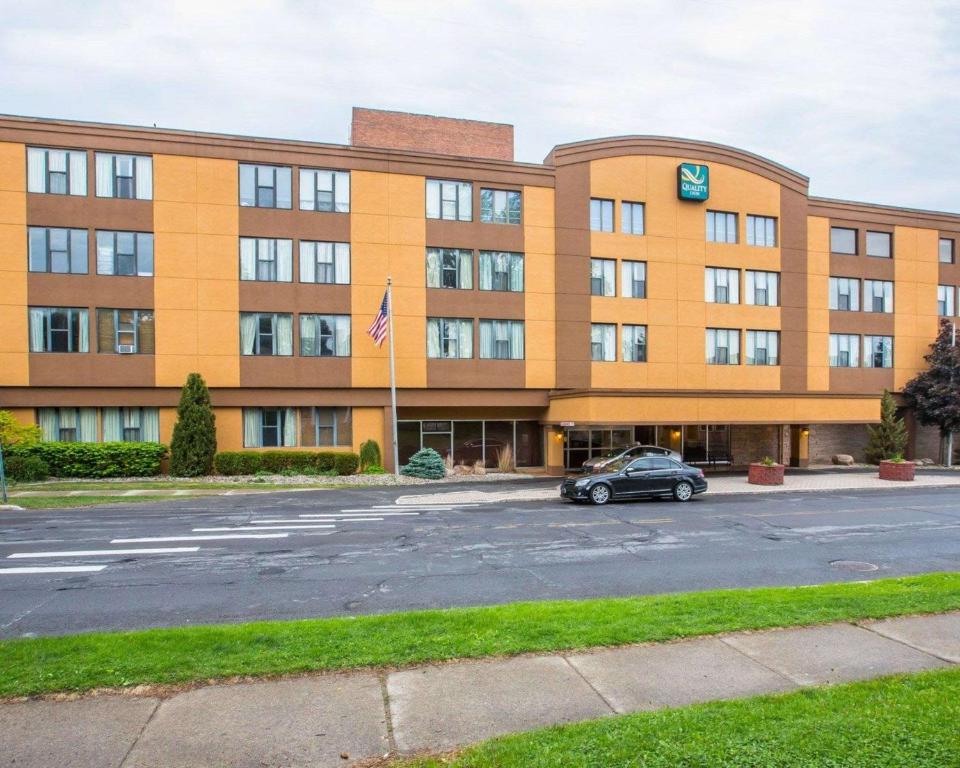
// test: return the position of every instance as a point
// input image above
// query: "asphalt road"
(429, 558)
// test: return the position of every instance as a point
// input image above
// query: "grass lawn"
(56, 502)
(176, 485)
(907, 722)
(80, 662)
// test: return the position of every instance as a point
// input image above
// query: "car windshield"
(614, 453)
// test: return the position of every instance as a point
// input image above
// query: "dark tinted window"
(643, 464)
(663, 463)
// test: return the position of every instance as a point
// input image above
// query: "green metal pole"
(3, 476)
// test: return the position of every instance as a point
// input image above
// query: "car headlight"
(582, 483)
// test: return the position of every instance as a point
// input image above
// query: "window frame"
(70, 172)
(599, 206)
(449, 331)
(135, 176)
(750, 278)
(140, 316)
(338, 180)
(281, 250)
(753, 335)
(631, 265)
(888, 236)
(886, 352)
(495, 324)
(853, 293)
(139, 240)
(887, 296)
(338, 326)
(607, 355)
(462, 202)
(635, 345)
(856, 240)
(493, 257)
(732, 350)
(605, 289)
(952, 245)
(274, 334)
(490, 214)
(77, 318)
(81, 255)
(310, 251)
(252, 196)
(631, 207)
(852, 342)
(713, 286)
(769, 230)
(712, 229)
(946, 298)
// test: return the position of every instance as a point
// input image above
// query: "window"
(844, 350)
(601, 215)
(126, 176)
(762, 288)
(451, 268)
(499, 206)
(449, 200)
(264, 186)
(263, 333)
(501, 339)
(325, 335)
(449, 338)
(68, 425)
(324, 191)
(322, 262)
(945, 296)
(845, 294)
(603, 342)
(125, 331)
(721, 227)
(266, 259)
(762, 231)
(326, 427)
(62, 251)
(56, 171)
(501, 271)
(603, 280)
(633, 279)
(880, 244)
(634, 343)
(631, 218)
(59, 329)
(877, 296)
(763, 348)
(269, 428)
(722, 286)
(131, 425)
(843, 240)
(723, 346)
(947, 247)
(124, 253)
(878, 351)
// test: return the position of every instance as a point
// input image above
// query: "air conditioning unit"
(126, 349)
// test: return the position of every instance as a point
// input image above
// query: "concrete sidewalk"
(339, 719)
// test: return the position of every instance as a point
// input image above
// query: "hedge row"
(276, 462)
(85, 459)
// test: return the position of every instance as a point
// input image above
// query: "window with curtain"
(761, 231)
(269, 428)
(633, 279)
(945, 297)
(603, 342)
(499, 206)
(323, 262)
(722, 286)
(266, 259)
(723, 346)
(325, 335)
(125, 176)
(843, 240)
(878, 351)
(449, 338)
(126, 331)
(845, 294)
(501, 340)
(603, 280)
(449, 200)
(880, 244)
(56, 171)
(946, 250)
(265, 186)
(878, 296)
(57, 250)
(449, 268)
(762, 288)
(844, 350)
(59, 329)
(130, 425)
(124, 253)
(631, 218)
(501, 271)
(67, 425)
(763, 348)
(721, 227)
(326, 427)
(634, 343)
(322, 190)
(265, 333)
(601, 215)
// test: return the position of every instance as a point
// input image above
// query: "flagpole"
(393, 378)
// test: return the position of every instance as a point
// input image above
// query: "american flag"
(378, 329)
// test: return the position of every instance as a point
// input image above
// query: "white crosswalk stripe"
(51, 569)
(357, 513)
(255, 528)
(147, 539)
(104, 552)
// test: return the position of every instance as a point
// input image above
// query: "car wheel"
(682, 491)
(600, 494)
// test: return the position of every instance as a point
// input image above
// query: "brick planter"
(761, 474)
(893, 470)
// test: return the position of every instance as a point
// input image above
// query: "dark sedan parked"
(646, 476)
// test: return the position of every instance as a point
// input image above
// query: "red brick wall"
(426, 133)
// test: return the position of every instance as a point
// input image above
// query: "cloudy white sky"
(861, 96)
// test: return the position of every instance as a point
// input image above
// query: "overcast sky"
(862, 97)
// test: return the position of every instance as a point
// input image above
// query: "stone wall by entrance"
(752, 442)
(826, 440)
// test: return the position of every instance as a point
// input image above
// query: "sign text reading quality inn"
(693, 181)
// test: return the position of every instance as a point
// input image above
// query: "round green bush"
(346, 463)
(425, 463)
(26, 469)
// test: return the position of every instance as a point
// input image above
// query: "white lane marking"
(425, 505)
(147, 539)
(104, 552)
(337, 519)
(254, 528)
(52, 569)
(355, 512)
(360, 520)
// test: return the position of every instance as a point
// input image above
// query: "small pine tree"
(888, 439)
(370, 455)
(194, 441)
(425, 463)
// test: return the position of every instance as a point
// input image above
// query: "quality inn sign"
(693, 181)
